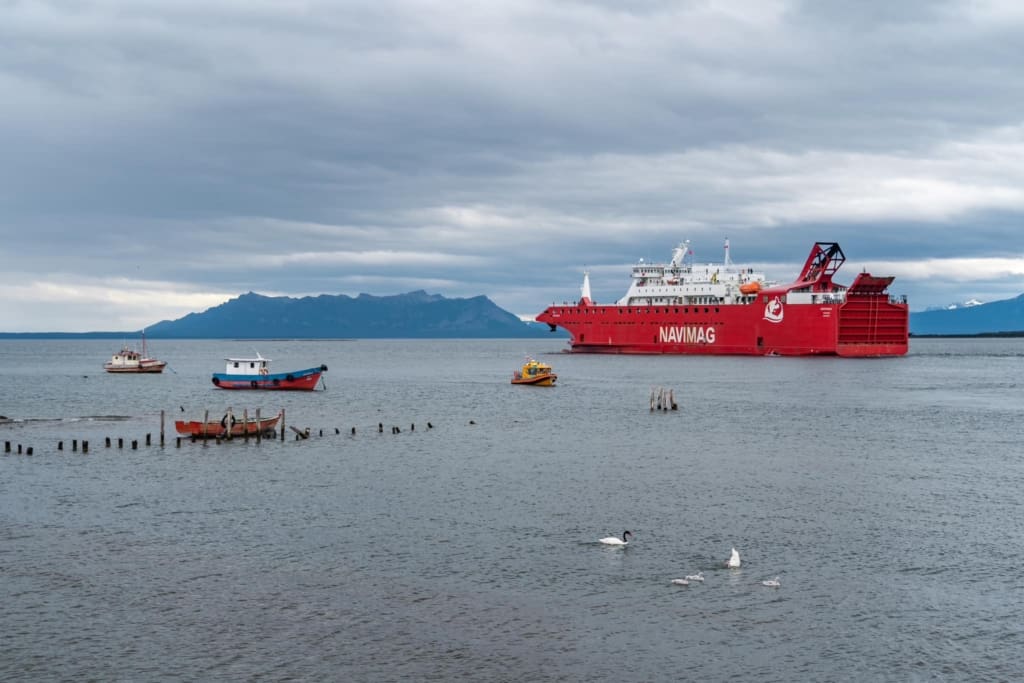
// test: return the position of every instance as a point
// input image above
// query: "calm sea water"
(886, 495)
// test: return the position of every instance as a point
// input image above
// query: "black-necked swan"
(612, 540)
(681, 582)
(699, 576)
(734, 560)
(772, 583)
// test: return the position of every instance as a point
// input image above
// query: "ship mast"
(728, 261)
(585, 289)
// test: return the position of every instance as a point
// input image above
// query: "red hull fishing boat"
(683, 308)
(228, 425)
(254, 373)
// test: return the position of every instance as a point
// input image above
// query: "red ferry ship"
(683, 308)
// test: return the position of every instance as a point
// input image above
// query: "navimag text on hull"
(681, 307)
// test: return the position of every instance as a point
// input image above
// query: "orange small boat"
(750, 287)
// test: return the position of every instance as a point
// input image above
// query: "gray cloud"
(196, 150)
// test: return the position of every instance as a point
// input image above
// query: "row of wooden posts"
(134, 444)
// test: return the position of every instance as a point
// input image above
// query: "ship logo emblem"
(773, 311)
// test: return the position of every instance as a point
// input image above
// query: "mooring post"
(74, 445)
(206, 421)
(135, 444)
(60, 445)
(108, 442)
(259, 427)
(85, 447)
(282, 424)
(28, 451)
(229, 418)
(245, 423)
(161, 428)
(147, 439)
(7, 446)
(120, 442)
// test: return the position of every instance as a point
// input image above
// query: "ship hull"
(737, 329)
(297, 380)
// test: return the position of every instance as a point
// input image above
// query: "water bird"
(681, 582)
(734, 560)
(613, 540)
(772, 583)
(699, 576)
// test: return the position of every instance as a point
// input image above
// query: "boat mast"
(728, 261)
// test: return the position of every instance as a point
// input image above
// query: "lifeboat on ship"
(536, 373)
(750, 287)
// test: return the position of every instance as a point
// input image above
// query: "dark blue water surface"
(886, 495)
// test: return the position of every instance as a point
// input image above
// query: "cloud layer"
(162, 156)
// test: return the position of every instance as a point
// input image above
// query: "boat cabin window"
(236, 363)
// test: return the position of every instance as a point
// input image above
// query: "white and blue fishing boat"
(254, 373)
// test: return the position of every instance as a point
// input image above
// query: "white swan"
(734, 560)
(681, 582)
(699, 576)
(772, 583)
(612, 540)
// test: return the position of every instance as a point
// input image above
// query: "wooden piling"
(259, 428)
(148, 439)
(85, 447)
(229, 417)
(28, 451)
(7, 446)
(135, 444)
(245, 423)
(282, 424)
(74, 445)
(120, 442)
(60, 445)
(161, 428)
(206, 419)
(108, 442)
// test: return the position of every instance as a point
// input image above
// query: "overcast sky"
(158, 157)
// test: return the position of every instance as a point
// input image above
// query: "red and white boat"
(683, 308)
(128, 360)
(254, 373)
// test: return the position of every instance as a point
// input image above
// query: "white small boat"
(128, 360)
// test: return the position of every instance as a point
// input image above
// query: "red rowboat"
(212, 430)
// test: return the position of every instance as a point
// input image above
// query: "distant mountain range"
(415, 315)
(419, 315)
(972, 318)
